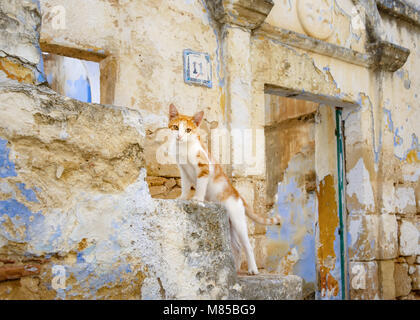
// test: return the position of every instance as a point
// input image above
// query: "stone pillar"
(238, 19)
(246, 126)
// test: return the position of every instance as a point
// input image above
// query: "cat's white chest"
(189, 171)
(213, 190)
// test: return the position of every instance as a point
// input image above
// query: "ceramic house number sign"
(197, 68)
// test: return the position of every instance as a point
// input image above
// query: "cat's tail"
(277, 220)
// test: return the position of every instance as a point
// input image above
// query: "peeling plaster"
(328, 264)
(359, 184)
(404, 197)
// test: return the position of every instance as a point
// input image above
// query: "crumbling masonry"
(324, 93)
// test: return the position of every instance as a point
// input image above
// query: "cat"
(198, 170)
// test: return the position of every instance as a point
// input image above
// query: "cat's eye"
(175, 127)
(188, 130)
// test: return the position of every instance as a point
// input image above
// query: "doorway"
(305, 161)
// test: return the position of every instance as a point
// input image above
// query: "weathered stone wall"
(73, 194)
(20, 57)
(77, 220)
(380, 155)
(353, 57)
(133, 51)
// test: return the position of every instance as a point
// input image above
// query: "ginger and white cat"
(198, 170)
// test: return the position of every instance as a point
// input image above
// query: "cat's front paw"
(197, 198)
(253, 271)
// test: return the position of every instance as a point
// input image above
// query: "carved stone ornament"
(388, 56)
(245, 13)
(316, 17)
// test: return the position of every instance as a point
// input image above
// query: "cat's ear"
(198, 117)
(173, 112)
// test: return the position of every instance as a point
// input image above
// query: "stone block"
(388, 198)
(156, 181)
(364, 281)
(98, 220)
(173, 194)
(18, 271)
(410, 259)
(20, 55)
(268, 287)
(415, 277)
(402, 280)
(157, 190)
(388, 237)
(386, 279)
(170, 183)
(405, 200)
(359, 192)
(363, 237)
(409, 238)
(194, 242)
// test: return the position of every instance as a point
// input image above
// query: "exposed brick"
(15, 272)
(173, 194)
(170, 183)
(155, 181)
(6, 261)
(155, 190)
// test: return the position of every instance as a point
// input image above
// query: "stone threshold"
(268, 287)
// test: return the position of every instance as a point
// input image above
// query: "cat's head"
(182, 126)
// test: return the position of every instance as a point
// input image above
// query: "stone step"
(268, 287)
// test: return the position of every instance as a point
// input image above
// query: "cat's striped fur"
(198, 170)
